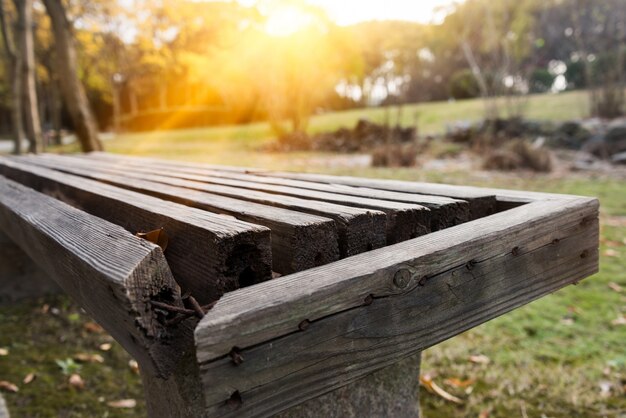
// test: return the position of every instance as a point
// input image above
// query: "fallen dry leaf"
(157, 236)
(123, 403)
(615, 287)
(8, 386)
(611, 253)
(4, 351)
(89, 358)
(93, 328)
(29, 378)
(605, 388)
(427, 381)
(76, 381)
(479, 359)
(134, 366)
(105, 346)
(621, 320)
(458, 383)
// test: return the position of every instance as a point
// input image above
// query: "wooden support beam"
(209, 254)
(358, 229)
(19, 275)
(299, 240)
(110, 273)
(370, 310)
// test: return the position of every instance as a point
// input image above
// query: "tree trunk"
(14, 64)
(27, 47)
(55, 111)
(71, 88)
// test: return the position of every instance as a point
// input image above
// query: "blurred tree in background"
(171, 64)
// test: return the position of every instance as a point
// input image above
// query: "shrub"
(463, 85)
(517, 155)
(395, 155)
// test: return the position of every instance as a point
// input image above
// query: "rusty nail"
(515, 251)
(171, 308)
(302, 326)
(556, 241)
(422, 281)
(235, 356)
(402, 278)
(176, 320)
(584, 254)
(196, 307)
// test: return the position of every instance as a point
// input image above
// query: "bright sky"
(346, 12)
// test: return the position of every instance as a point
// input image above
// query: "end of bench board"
(371, 310)
(209, 254)
(113, 275)
(299, 240)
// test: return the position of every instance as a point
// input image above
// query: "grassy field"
(238, 144)
(561, 356)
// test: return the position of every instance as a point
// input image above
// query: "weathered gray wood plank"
(358, 229)
(345, 284)
(445, 211)
(299, 240)
(404, 220)
(351, 343)
(110, 273)
(209, 254)
(482, 201)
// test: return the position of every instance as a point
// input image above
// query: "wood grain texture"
(445, 211)
(209, 254)
(561, 248)
(275, 308)
(110, 273)
(405, 220)
(358, 229)
(482, 202)
(299, 240)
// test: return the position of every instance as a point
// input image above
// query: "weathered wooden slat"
(416, 303)
(404, 220)
(482, 202)
(299, 240)
(345, 284)
(445, 211)
(209, 254)
(110, 273)
(359, 229)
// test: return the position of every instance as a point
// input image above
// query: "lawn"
(561, 356)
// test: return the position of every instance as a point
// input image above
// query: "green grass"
(239, 144)
(547, 358)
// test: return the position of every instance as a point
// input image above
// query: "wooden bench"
(367, 274)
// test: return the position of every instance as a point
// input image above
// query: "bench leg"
(19, 275)
(390, 392)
